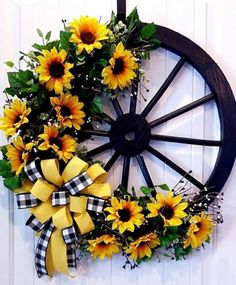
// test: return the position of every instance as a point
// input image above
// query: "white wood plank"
(216, 264)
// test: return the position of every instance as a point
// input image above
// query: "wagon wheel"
(131, 134)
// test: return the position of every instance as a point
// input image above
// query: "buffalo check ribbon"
(60, 206)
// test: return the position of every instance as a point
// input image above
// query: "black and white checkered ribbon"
(60, 198)
(35, 224)
(71, 255)
(95, 204)
(26, 200)
(78, 183)
(31, 170)
(69, 235)
(41, 250)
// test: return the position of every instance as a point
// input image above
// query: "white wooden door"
(212, 25)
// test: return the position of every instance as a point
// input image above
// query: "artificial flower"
(169, 207)
(68, 109)
(104, 246)
(54, 71)
(18, 154)
(87, 33)
(201, 226)
(142, 246)
(121, 70)
(64, 146)
(14, 117)
(126, 214)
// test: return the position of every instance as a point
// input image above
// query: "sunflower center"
(55, 141)
(102, 243)
(56, 69)
(21, 154)
(167, 212)
(17, 119)
(65, 111)
(124, 215)
(198, 225)
(87, 38)
(119, 66)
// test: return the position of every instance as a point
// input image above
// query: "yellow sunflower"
(170, 208)
(104, 246)
(87, 33)
(64, 146)
(126, 214)
(199, 230)
(14, 117)
(121, 70)
(68, 110)
(54, 71)
(18, 154)
(142, 246)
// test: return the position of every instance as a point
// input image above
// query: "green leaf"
(48, 46)
(132, 19)
(134, 193)
(148, 31)
(19, 79)
(133, 14)
(48, 36)
(97, 105)
(5, 168)
(180, 252)
(38, 47)
(40, 33)
(9, 63)
(146, 190)
(123, 190)
(102, 62)
(65, 39)
(155, 42)
(164, 241)
(164, 187)
(32, 89)
(12, 182)
(4, 151)
(129, 238)
(113, 19)
(10, 91)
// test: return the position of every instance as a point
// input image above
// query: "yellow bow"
(61, 216)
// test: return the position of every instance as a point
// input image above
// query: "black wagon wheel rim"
(221, 93)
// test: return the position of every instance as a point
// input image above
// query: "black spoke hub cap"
(130, 134)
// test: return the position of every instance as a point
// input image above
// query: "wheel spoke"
(125, 172)
(133, 98)
(185, 140)
(182, 110)
(164, 86)
(104, 117)
(117, 107)
(97, 133)
(175, 167)
(133, 103)
(111, 161)
(99, 149)
(144, 170)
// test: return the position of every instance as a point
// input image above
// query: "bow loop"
(74, 168)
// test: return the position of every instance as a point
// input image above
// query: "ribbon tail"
(59, 252)
(42, 250)
(71, 256)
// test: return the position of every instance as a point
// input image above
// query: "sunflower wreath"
(53, 98)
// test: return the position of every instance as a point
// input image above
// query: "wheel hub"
(130, 134)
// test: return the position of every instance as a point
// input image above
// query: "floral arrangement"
(53, 98)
